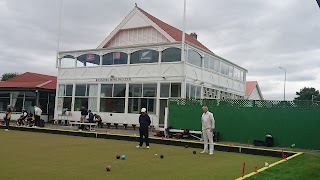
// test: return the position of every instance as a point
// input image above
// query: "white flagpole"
(183, 55)
(183, 31)
(59, 31)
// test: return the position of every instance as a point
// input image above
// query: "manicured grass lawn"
(305, 166)
(27, 155)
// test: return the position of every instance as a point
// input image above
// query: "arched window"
(144, 56)
(194, 58)
(171, 55)
(114, 58)
(88, 60)
(67, 61)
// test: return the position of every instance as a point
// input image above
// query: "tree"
(7, 76)
(306, 94)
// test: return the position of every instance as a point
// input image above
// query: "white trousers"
(207, 139)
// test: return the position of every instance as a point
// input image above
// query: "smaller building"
(27, 90)
(253, 91)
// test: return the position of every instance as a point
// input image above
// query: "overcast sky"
(259, 35)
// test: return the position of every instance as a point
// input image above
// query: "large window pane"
(192, 92)
(242, 75)
(212, 63)
(119, 90)
(92, 104)
(224, 69)
(164, 90)
(187, 90)
(149, 104)
(115, 58)
(80, 102)
(194, 58)
(67, 62)
(149, 90)
(69, 89)
(43, 95)
(171, 55)
(115, 105)
(144, 56)
(43, 103)
(92, 90)
(80, 90)
(106, 90)
(217, 65)
(175, 90)
(4, 102)
(206, 62)
(29, 103)
(88, 60)
(198, 92)
(134, 105)
(67, 103)
(135, 90)
(18, 105)
(52, 103)
(230, 71)
(61, 89)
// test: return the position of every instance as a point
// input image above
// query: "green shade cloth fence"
(289, 122)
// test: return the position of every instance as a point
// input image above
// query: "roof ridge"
(200, 45)
(143, 11)
(45, 83)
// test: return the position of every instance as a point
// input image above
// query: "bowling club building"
(140, 65)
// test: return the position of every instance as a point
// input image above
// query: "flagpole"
(59, 31)
(184, 22)
(183, 58)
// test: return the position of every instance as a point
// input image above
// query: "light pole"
(284, 86)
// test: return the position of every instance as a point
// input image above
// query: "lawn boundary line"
(270, 166)
(157, 140)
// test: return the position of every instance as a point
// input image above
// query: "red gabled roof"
(250, 85)
(175, 33)
(32, 81)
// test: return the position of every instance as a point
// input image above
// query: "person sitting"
(91, 119)
(30, 119)
(22, 118)
(98, 119)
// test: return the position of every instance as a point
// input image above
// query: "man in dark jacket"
(8, 117)
(145, 122)
(91, 117)
(83, 119)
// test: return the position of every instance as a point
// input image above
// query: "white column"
(98, 96)
(158, 102)
(201, 81)
(128, 64)
(73, 97)
(100, 73)
(126, 99)
(159, 63)
(56, 101)
(183, 88)
(184, 72)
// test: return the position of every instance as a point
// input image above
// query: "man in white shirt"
(208, 124)
(37, 114)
